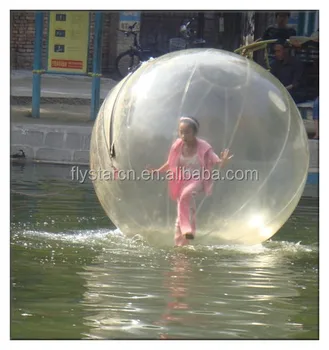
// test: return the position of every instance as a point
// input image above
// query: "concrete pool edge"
(67, 144)
(70, 145)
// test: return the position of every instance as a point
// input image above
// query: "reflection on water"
(73, 277)
(220, 293)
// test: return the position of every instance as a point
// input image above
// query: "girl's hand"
(225, 155)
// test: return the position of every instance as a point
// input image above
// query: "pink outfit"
(184, 190)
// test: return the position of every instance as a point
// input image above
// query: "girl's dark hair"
(195, 126)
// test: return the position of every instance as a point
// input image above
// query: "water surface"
(74, 276)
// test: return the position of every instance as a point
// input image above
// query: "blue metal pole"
(37, 65)
(96, 82)
(310, 28)
(301, 23)
(316, 21)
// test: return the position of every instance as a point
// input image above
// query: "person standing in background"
(280, 30)
(286, 68)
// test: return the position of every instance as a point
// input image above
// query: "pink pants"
(186, 210)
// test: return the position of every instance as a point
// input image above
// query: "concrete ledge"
(71, 143)
(52, 143)
(53, 154)
(314, 153)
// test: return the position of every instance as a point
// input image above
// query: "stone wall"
(22, 39)
(71, 143)
(314, 153)
(51, 143)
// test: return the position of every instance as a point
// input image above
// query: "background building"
(226, 30)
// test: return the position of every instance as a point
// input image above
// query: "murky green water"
(74, 277)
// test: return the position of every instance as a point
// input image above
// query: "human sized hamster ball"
(240, 106)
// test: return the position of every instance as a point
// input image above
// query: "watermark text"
(81, 175)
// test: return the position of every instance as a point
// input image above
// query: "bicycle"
(128, 61)
(188, 38)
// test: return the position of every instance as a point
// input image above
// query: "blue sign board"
(128, 18)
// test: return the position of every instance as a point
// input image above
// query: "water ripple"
(74, 276)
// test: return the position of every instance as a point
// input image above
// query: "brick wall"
(22, 39)
(23, 32)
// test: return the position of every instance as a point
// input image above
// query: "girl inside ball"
(190, 163)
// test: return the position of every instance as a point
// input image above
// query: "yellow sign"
(68, 40)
